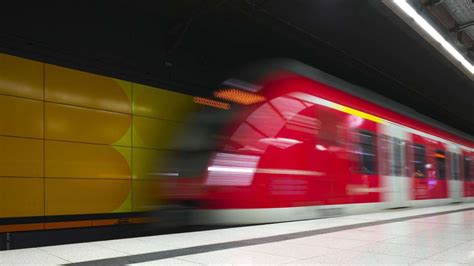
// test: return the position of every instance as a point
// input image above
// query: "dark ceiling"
(192, 45)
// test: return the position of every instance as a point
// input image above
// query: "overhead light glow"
(239, 96)
(405, 7)
(212, 103)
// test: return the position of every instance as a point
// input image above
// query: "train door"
(430, 169)
(468, 174)
(395, 176)
(455, 183)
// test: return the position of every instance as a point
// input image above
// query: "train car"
(296, 143)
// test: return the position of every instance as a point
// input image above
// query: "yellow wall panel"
(20, 197)
(154, 133)
(65, 122)
(21, 117)
(21, 157)
(158, 103)
(21, 77)
(87, 156)
(146, 195)
(86, 196)
(74, 87)
(78, 160)
(149, 163)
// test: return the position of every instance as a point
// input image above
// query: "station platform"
(442, 235)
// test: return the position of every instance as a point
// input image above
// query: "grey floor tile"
(425, 242)
(288, 250)
(236, 256)
(357, 258)
(167, 262)
(82, 252)
(32, 256)
(328, 242)
(412, 251)
(460, 254)
(355, 234)
(434, 262)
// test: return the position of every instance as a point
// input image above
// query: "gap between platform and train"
(152, 256)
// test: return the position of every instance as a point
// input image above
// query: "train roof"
(262, 68)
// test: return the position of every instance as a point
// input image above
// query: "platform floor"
(423, 236)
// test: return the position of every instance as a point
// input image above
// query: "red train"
(292, 142)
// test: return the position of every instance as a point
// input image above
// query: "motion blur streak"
(287, 172)
(236, 83)
(281, 143)
(232, 170)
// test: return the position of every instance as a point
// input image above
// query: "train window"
(440, 164)
(330, 130)
(408, 152)
(420, 160)
(397, 163)
(366, 151)
(467, 169)
(383, 155)
(455, 166)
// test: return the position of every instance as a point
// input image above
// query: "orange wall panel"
(21, 197)
(87, 196)
(21, 117)
(74, 87)
(65, 122)
(79, 160)
(21, 157)
(21, 77)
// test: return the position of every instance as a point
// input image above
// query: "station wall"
(78, 143)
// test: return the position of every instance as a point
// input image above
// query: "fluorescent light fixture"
(405, 7)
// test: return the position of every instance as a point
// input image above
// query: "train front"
(247, 155)
(268, 150)
(212, 167)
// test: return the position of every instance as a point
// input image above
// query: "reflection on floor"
(390, 237)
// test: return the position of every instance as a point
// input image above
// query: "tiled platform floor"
(444, 239)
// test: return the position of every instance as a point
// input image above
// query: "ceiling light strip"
(405, 7)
